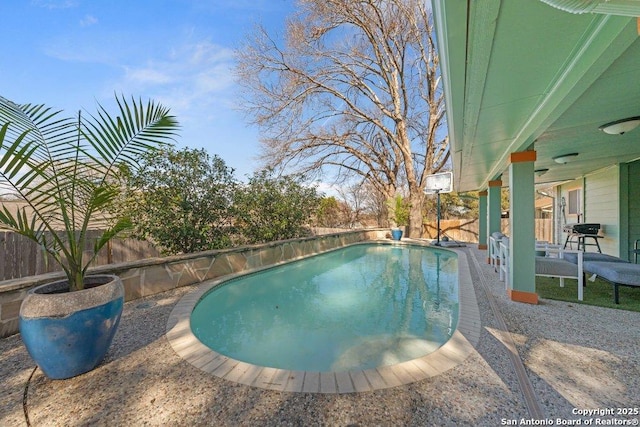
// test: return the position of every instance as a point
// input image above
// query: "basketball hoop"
(436, 184)
(439, 183)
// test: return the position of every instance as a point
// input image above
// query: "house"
(545, 93)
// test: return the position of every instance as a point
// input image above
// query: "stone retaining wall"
(154, 275)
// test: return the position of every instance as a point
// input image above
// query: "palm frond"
(64, 169)
(133, 132)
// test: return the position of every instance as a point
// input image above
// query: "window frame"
(574, 201)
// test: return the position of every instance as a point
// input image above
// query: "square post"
(483, 237)
(522, 273)
(494, 209)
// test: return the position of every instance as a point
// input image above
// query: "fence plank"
(11, 256)
(3, 251)
(20, 257)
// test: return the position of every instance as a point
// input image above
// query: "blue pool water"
(358, 307)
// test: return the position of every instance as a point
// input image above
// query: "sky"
(73, 54)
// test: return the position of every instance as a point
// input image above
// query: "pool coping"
(448, 356)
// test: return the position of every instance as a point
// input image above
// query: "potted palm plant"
(400, 215)
(65, 169)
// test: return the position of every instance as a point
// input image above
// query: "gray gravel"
(575, 356)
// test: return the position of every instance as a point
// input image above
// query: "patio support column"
(522, 274)
(482, 220)
(494, 208)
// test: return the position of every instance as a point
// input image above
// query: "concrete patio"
(552, 361)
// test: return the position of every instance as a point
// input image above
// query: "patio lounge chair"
(617, 271)
(555, 264)
(552, 264)
(592, 256)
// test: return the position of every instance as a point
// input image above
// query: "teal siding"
(611, 197)
(633, 194)
(563, 215)
(602, 205)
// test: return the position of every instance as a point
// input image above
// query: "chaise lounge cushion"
(451, 244)
(624, 273)
(555, 267)
(592, 256)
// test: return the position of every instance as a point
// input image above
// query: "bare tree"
(377, 204)
(353, 197)
(354, 88)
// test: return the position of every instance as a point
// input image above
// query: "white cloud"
(328, 189)
(246, 6)
(88, 21)
(191, 79)
(204, 53)
(66, 48)
(147, 76)
(214, 79)
(55, 4)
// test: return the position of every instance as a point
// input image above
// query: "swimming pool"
(355, 308)
(451, 354)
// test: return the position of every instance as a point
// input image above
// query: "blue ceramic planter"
(396, 234)
(65, 341)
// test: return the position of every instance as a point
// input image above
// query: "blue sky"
(70, 54)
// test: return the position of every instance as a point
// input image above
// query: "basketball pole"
(439, 183)
(438, 217)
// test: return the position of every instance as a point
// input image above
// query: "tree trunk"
(415, 214)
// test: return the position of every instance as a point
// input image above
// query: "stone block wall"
(154, 275)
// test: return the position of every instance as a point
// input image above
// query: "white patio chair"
(503, 267)
(552, 264)
(494, 249)
(557, 266)
(546, 249)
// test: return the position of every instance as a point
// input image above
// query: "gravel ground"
(576, 358)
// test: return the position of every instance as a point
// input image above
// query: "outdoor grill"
(580, 232)
(582, 228)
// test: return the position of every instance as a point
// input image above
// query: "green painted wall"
(602, 205)
(632, 188)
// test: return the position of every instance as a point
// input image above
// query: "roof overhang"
(522, 75)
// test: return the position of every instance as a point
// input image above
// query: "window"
(574, 202)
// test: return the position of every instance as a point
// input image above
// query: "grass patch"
(598, 293)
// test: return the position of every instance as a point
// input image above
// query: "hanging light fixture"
(541, 171)
(622, 126)
(565, 158)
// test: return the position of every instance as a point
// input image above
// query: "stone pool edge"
(449, 355)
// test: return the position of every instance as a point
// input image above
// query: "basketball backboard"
(439, 183)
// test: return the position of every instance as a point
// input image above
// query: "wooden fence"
(20, 257)
(466, 230)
